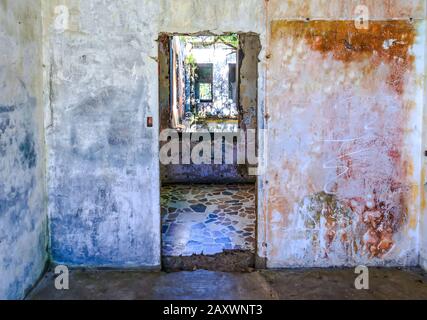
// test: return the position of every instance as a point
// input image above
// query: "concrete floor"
(260, 285)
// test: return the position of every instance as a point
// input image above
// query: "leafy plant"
(231, 40)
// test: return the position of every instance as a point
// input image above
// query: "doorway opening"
(208, 102)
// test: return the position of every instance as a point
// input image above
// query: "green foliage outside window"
(205, 91)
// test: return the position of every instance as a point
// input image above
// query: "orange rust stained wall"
(340, 103)
(345, 43)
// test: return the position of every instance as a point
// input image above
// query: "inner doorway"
(208, 99)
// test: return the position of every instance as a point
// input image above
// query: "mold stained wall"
(345, 120)
(23, 219)
(345, 111)
(103, 165)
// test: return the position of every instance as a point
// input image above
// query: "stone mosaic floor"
(207, 219)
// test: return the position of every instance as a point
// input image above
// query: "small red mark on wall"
(149, 122)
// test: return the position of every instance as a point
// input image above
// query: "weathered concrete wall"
(423, 218)
(177, 108)
(103, 181)
(345, 10)
(250, 48)
(163, 58)
(219, 55)
(103, 168)
(343, 113)
(23, 219)
(344, 109)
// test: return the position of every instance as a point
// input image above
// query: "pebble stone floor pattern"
(207, 219)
